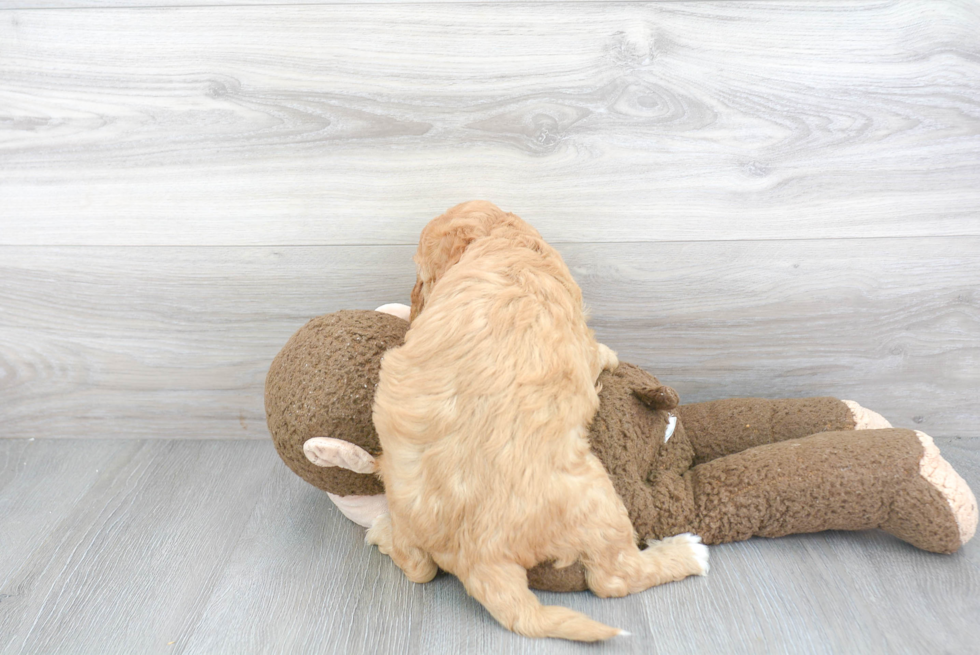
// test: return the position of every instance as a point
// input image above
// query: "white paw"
(379, 534)
(698, 551)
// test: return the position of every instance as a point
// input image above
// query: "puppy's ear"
(417, 300)
(437, 254)
(455, 242)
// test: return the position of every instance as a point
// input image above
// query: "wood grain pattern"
(219, 549)
(132, 565)
(301, 562)
(142, 4)
(39, 487)
(352, 124)
(167, 342)
(176, 342)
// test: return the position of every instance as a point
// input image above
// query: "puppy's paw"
(379, 534)
(417, 565)
(610, 362)
(686, 547)
(700, 552)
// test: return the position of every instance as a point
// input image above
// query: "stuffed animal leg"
(749, 482)
(892, 479)
(723, 427)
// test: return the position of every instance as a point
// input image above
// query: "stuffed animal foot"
(938, 492)
(893, 479)
(865, 419)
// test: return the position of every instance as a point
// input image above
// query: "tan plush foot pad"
(865, 419)
(938, 472)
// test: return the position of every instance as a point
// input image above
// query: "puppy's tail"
(502, 589)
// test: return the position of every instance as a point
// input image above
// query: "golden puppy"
(482, 416)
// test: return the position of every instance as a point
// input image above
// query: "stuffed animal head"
(321, 387)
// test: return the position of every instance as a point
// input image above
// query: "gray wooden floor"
(213, 547)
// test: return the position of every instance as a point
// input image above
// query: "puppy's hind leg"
(613, 563)
(415, 562)
(502, 589)
(631, 570)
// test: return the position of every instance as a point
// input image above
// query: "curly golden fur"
(482, 415)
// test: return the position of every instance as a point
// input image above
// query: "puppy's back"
(485, 397)
(502, 326)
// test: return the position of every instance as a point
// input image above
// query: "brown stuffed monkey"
(725, 470)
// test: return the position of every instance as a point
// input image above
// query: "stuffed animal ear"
(657, 397)
(326, 451)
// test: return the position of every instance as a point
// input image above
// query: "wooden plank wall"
(758, 198)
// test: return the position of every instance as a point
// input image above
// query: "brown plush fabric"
(765, 471)
(627, 436)
(544, 576)
(842, 480)
(731, 470)
(321, 384)
(830, 481)
(723, 427)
